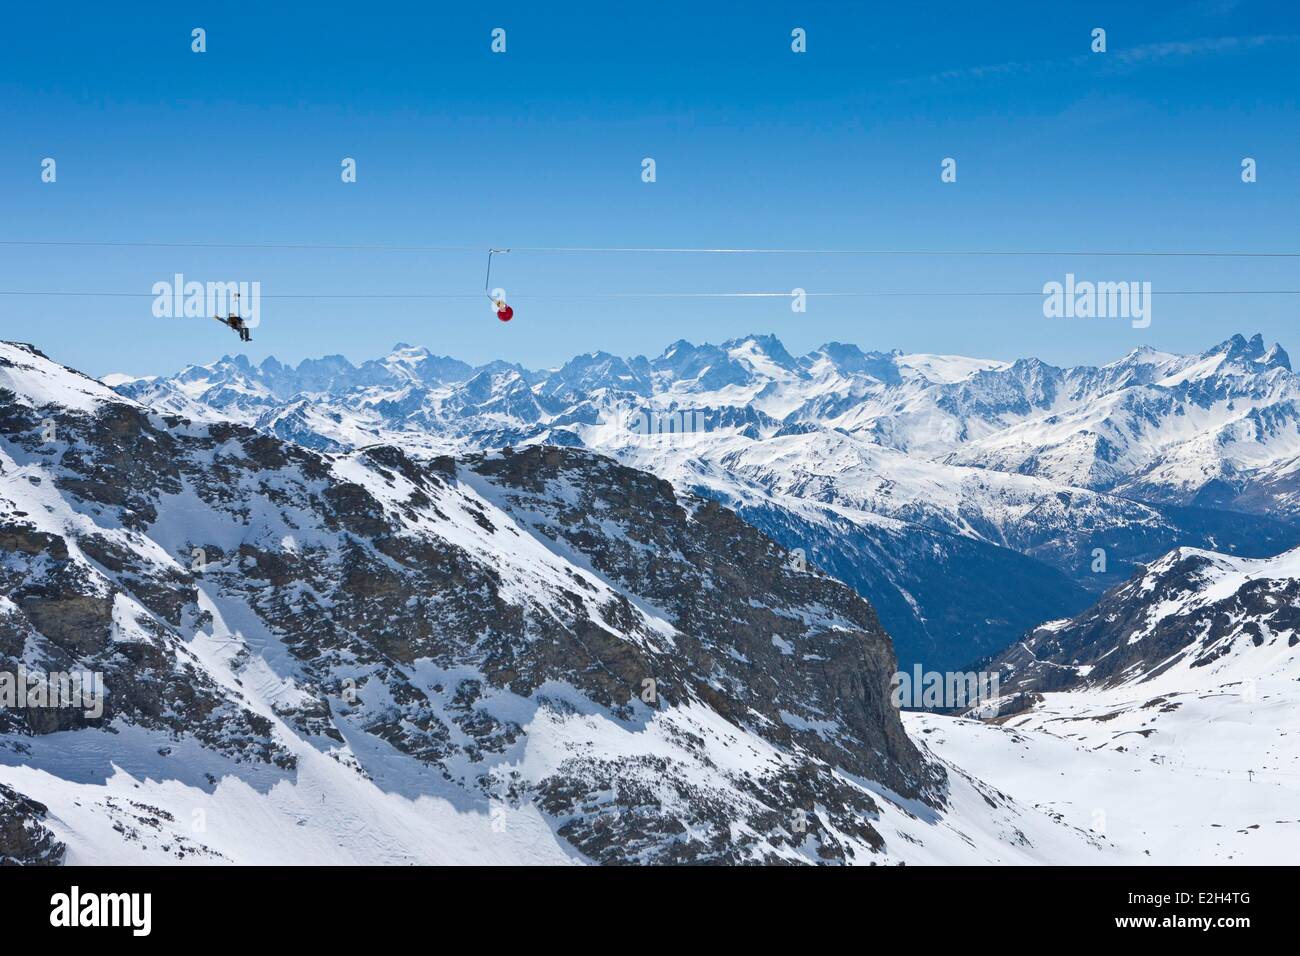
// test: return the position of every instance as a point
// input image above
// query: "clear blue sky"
(1057, 148)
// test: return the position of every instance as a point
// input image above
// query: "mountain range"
(967, 499)
(387, 652)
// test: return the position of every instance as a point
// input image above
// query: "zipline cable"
(691, 250)
(650, 295)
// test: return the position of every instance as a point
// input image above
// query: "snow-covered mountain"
(541, 655)
(533, 656)
(966, 498)
(1165, 717)
(1191, 617)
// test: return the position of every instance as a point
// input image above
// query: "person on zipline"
(504, 312)
(238, 324)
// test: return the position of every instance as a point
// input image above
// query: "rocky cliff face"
(539, 629)
(24, 838)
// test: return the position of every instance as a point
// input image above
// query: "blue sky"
(755, 146)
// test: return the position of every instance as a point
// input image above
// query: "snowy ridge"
(35, 381)
(1189, 618)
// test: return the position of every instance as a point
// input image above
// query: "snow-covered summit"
(38, 382)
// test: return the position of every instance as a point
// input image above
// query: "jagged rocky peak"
(767, 347)
(850, 359)
(416, 363)
(592, 371)
(1253, 350)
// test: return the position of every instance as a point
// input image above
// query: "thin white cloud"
(1117, 58)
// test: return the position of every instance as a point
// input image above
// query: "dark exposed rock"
(17, 537)
(24, 838)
